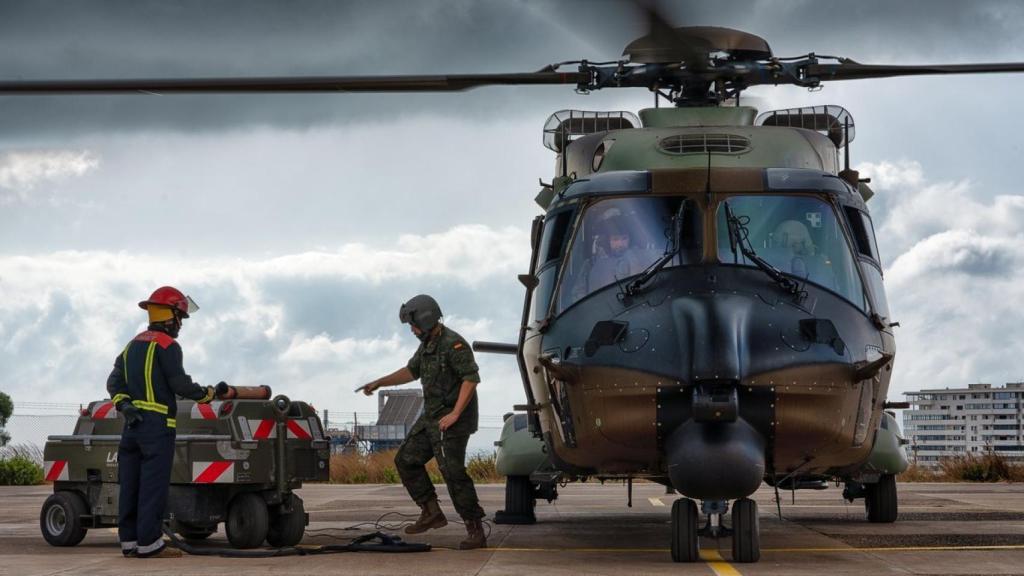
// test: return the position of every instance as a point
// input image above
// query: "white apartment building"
(957, 421)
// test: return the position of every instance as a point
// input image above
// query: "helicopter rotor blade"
(325, 84)
(850, 70)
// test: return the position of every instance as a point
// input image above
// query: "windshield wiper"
(739, 237)
(634, 287)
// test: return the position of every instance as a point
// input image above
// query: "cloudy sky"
(299, 223)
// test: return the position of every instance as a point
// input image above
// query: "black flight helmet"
(421, 311)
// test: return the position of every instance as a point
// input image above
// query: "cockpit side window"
(863, 233)
(619, 238)
(552, 245)
(798, 235)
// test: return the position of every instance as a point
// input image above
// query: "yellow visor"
(159, 313)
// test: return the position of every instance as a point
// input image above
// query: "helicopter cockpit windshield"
(620, 238)
(799, 236)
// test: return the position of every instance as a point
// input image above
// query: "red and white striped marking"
(55, 470)
(263, 429)
(266, 429)
(104, 411)
(219, 472)
(299, 429)
(206, 411)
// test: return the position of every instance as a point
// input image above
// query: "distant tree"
(6, 409)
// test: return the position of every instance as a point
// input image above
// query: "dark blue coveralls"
(148, 373)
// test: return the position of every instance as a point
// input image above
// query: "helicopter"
(704, 306)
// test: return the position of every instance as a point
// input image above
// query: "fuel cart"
(236, 461)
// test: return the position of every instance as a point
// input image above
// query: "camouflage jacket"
(442, 364)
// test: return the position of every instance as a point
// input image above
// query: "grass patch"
(21, 465)
(982, 467)
(379, 468)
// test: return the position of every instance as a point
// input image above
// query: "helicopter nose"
(719, 461)
(713, 335)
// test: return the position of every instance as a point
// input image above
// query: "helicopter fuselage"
(679, 358)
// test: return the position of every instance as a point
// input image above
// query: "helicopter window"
(863, 232)
(621, 237)
(553, 240)
(552, 245)
(798, 235)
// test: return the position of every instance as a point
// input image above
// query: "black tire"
(520, 501)
(248, 521)
(61, 518)
(288, 529)
(880, 500)
(684, 531)
(193, 532)
(746, 531)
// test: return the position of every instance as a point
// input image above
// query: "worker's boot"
(476, 537)
(430, 517)
(165, 552)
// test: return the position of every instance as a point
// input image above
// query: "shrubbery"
(984, 467)
(20, 471)
(379, 468)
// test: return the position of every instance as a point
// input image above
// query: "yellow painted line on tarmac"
(774, 550)
(900, 548)
(655, 501)
(718, 564)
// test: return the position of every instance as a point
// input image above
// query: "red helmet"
(172, 297)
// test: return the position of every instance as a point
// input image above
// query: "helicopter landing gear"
(684, 531)
(880, 499)
(520, 501)
(746, 531)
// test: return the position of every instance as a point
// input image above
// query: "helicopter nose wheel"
(746, 531)
(684, 531)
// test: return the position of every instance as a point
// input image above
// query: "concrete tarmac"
(943, 529)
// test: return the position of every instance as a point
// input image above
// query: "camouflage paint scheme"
(237, 437)
(609, 414)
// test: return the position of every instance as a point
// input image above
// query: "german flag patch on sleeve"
(457, 346)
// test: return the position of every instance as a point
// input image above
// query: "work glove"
(208, 396)
(221, 389)
(132, 415)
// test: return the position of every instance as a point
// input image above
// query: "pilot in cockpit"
(614, 254)
(799, 255)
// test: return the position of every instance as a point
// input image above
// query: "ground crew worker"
(147, 376)
(445, 366)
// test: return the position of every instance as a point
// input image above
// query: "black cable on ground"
(375, 542)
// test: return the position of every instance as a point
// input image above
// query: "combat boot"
(476, 537)
(431, 517)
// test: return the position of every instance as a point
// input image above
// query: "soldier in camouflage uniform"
(445, 366)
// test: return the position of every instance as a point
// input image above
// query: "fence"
(33, 422)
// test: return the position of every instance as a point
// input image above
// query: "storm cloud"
(301, 222)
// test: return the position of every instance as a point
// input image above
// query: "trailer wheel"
(247, 521)
(288, 529)
(61, 518)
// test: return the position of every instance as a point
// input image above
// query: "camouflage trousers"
(425, 442)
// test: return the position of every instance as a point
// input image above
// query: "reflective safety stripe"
(118, 398)
(151, 406)
(124, 363)
(172, 423)
(150, 397)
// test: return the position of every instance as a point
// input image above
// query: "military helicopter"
(705, 306)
